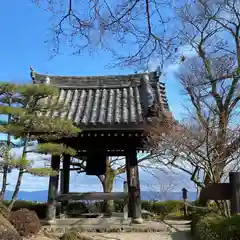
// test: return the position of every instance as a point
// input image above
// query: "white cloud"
(83, 183)
(172, 68)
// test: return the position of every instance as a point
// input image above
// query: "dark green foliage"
(229, 228)
(77, 208)
(71, 235)
(156, 207)
(27, 108)
(39, 208)
(167, 207)
(147, 205)
(119, 206)
(198, 212)
(213, 226)
(74, 234)
(207, 227)
(26, 222)
(28, 114)
(81, 207)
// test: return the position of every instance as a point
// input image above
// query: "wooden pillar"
(65, 174)
(65, 180)
(53, 188)
(125, 208)
(134, 204)
(234, 179)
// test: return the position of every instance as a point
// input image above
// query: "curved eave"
(93, 81)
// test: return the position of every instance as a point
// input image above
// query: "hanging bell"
(96, 163)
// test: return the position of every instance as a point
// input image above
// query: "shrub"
(74, 235)
(118, 205)
(39, 208)
(26, 222)
(76, 208)
(159, 208)
(174, 205)
(216, 227)
(198, 212)
(164, 208)
(229, 228)
(71, 235)
(147, 205)
(208, 227)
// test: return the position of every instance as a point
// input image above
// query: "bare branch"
(133, 31)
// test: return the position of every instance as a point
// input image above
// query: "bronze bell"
(96, 163)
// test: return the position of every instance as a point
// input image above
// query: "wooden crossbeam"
(216, 191)
(92, 196)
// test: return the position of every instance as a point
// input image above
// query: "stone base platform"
(103, 224)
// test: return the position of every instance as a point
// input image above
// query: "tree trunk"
(108, 205)
(20, 175)
(4, 182)
(5, 168)
(107, 184)
(16, 191)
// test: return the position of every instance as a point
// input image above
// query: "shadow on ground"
(181, 235)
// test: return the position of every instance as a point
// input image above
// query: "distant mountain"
(41, 196)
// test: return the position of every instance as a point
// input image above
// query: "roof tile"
(105, 100)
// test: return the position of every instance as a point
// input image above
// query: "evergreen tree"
(30, 120)
(6, 95)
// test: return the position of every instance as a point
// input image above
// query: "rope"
(196, 207)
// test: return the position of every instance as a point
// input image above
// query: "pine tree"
(6, 95)
(30, 120)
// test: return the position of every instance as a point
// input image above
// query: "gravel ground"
(180, 231)
(129, 236)
(143, 236)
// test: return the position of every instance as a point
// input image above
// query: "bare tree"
(164, 181)
(134, 31)
(209, 140)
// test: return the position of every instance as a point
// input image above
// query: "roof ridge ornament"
(158, 71)
(47, 80)
(32, 74)
(147, 93)
(44, 80)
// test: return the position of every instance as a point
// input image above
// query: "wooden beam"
(53, 188)
(103, 141)
(92, 196)
(215, 191)
(73, 169)
(110, 153)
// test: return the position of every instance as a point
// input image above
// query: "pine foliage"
(28, 108)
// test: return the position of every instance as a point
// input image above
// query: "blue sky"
(24, 30)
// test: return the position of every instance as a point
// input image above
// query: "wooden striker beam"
(92, 196)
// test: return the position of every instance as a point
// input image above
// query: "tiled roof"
(106, 101)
